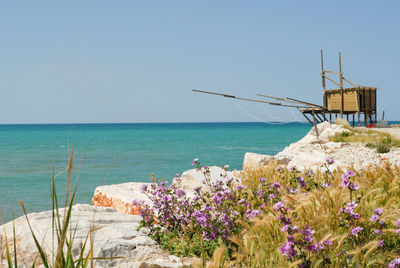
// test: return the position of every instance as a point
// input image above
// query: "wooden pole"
(365, 108)
(341, 85)
(358, 105)
(322, 71)
(315, 123)
(353, 119)
(323, 79)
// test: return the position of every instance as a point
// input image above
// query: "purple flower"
(252, 213)
(239, 187)
(260, 193)
(271, 196)
(327, 242)
(301, 181)
(374, 218)
(381, 243)
(218, 197)
(394, 263)
(315, 247)
(262, 180)
(287, 249)
(398, 232)
(350, 173)
(143, 188)
(329, 161)
(352, 205)
(308, 234)
(378, 211)
(292, 191)
(325, 185)
(345, 181)
(285, 228)
(180, 192)
(398, 223)
(275, 185)
(377, 231)
(279, 205)
(356, 230)
(353, 186)
(339, 212)
(310, 172)
(349, 210)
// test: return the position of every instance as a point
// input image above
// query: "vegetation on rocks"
(382, 142)
(277, 217)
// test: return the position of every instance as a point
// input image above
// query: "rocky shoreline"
(115, 218)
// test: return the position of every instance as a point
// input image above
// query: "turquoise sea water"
(117, 153)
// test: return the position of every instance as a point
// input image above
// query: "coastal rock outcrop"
(120, 197)
(115, 237)
(305, 153)
(313, 149)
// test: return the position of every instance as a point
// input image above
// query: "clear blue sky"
(137, 61)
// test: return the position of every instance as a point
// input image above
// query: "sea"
(30, 155)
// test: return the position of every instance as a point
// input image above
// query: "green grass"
(63, 257)
(382, 142)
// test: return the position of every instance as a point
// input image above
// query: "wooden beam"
(322, 71)
(308, 119)
(315, 124)
(331, 72)
(307, 103)
(246, 99)
(341, 85)
(330, 79)
(354, 85)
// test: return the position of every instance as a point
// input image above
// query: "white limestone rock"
(115, 235)
(253, 160)
(121, 197)
(193, 178)
(309, 152)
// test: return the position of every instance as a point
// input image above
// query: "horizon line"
(181, 122)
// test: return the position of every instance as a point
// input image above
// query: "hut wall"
(334, 100)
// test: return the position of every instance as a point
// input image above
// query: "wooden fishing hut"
(342, 100)
(351, 100)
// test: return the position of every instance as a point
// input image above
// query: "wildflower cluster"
(210, 212)
(303, 246)
(299, 218)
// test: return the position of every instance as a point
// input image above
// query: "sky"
(99, 61)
